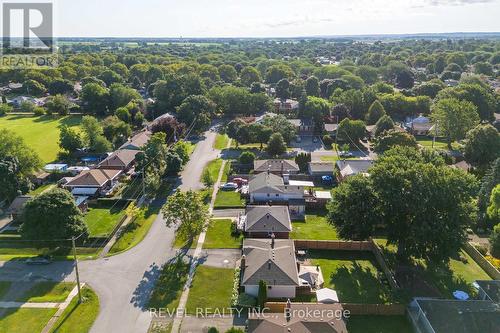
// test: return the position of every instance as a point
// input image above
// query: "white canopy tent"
(327, 296)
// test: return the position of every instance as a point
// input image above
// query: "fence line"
(481, 261)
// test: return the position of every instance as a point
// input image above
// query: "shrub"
(495, 242)
(39, 111)
(247, 157)
(4, 109)
(213, 330)
(328, 140)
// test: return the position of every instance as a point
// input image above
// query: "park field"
(39, 133)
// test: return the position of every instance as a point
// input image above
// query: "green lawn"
(41, 189)
(353, 274)
(135, 232)
(219, 235)
(25, 320)
(168, 287)
(47, 292)
(379, 324)
(180, 242)
(221, 141)
(335, 158)
(439, 144)
(220, 285)
(213, 167)
(315, 227)
(40, 133)
(4, 287)
(102, 220)
(78, 318)
(229, 199)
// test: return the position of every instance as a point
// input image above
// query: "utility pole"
(435, 133)
(143, 183)
(76, 270)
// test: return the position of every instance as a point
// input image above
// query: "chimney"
(243, 262)
(273, 236)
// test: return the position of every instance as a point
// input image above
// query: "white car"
(229, 186)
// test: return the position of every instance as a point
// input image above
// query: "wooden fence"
(354, 309)
(481, 261)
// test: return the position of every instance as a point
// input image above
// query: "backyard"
(219, 235)
(40, 133)
(379, 324)
(315, 227)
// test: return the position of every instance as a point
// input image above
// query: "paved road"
(124, 282)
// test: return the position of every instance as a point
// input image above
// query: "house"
(75, 170)
(303, 126)
(320, 169)
(272, 261)
(16, 207)
(445, 316)
(137, 141)
(269, 188)
(56, 167)
(122, 159)
(264, 221)
(93, 182)
(489, 290)
(300, 318)
(347, 168)
(420, 126)
(277, 166)
(286, 106)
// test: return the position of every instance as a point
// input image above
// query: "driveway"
(221, 258)
(125, 281)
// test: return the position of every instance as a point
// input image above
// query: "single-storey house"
(445, 316)
(285, 106)
(137, 141)
(299, 318)
(93, 182)
(122, 159)
(320, 169)
(347, 168)
(272, 261)
(420, 126)
(276, 166)
(16, 207)
(269, 188)
(264, 221)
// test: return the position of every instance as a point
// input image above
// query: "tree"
(121, 95)
(213, 330)
(483, 67)
(283, 89)
(302, 160)
(312, 86)
(392, 138)
(12, 181)
(58, 104)
(351, 131)
(235, 330)
(385, 123)
(132, 211)
(182, 149)
(258, 133)
(69, 139)
(35, 88)
(93, 135)
(95, 98)
(116, 130)
(482, 146)
(493, 210)
(174, 163)
(60, 86)
(280, 124)
(196, 109)
(277, 72)
(405, 79)
(316, 108)
(276, 145)
(123, 114)
(375, 112)
(187, 212)
(227, 73)
(354, 209)
(170, 126)
(369, 74)
(489, 181)
(262, 295)
(495, 242)
(247, 157)
(207, 178)
(249, 75)
(12, 145)
(341, 112)
(454, 118)
(52, 215)
(5, 108)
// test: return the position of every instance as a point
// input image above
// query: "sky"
(272, 18)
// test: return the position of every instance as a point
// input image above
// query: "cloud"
(456, 2)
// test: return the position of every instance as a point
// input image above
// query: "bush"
(247, 157)
(328, 140)
(213, 330)
(5, 108)
(39, 111)
(481, 249)
(495, 242)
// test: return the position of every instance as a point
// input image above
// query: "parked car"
(229, 186)
(39, 260)
(346, 154)
(240, 181)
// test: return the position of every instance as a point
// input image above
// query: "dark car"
(39, 260)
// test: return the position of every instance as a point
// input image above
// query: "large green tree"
(482, 146)
(12, 145)
(12, 181)
(276, 145)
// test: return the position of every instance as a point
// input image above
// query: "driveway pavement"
(125, 281)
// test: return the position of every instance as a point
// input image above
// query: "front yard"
(353, 274)
(25, 320)
(221, 141)
(219, 235)
(47, 292)
(169, 286)
(211, 288)
(103, 218)
(228, 199)
(315, 227)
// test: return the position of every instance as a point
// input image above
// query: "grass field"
(40, 133)
(220, 282)
(78, 318)
(41, 189)
(219, 236)
(102, 220)
(229, 199)
(47, 292)
(25, 320)
(379, 324)
(314, 227)
(221, 141)
(439, 144)
(168, 287)
(352, 274)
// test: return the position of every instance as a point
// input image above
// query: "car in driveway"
(229, 186)
(346, 154)
(39, 260)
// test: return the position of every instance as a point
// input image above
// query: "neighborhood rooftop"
(285, 166)
(267, 219)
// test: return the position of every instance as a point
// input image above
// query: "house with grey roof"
(320, 169)
(137, 141)
(347, 168)
(272, 261)
(264, 221)
(272, 189)
(277, 166)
